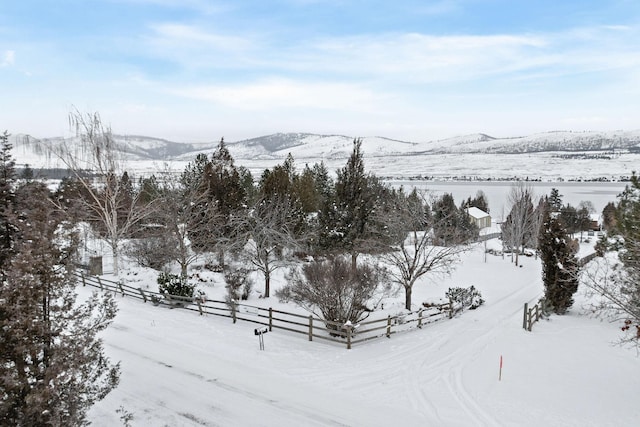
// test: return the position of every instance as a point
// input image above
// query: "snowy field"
(182, 369)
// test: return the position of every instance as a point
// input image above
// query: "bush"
(333, 291)
(239, 284)
(152, 252)
(467, 297)
(172, 284)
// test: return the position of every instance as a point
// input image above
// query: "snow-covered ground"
(182, 369)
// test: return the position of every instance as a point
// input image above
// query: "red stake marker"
(500, 374)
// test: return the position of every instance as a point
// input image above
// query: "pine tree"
(559, 265)
(52, 366)
(555, 200)
(347, 220)
(7, 196)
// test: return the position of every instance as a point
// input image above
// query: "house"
(479, 217)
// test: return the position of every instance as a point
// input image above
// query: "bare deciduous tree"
(268, 236)
(521, 226)
(97, 166)
(416, 253)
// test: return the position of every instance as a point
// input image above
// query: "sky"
(414, 70)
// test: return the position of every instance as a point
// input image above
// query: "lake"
(497, 192)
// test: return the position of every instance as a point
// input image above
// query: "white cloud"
(8, 58)
(282, 93)
(181, 35)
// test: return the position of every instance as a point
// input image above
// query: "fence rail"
(533, 314)
(310, 326)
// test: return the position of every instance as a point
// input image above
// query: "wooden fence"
(310, 326)
(533, 314)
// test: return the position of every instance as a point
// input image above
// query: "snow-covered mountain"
(306, 145)
(546, 156)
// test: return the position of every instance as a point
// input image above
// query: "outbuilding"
(479, 217)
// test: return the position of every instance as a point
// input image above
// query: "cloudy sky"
(418, 70)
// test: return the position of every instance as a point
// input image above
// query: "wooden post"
(420, 318)
(233, 311)
(524, 320)
(270, 319)
(198, 301)
(310, 328)
(84, 283)
(389, 326)
(530, 320)
(120, 286)
(100, 283)
(349, 327)
(537, 312)
(144, 297)
(450, 308)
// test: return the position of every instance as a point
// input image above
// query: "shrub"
(172, 284)
(239, 284)
(333, 291)
(466, 297)
(152, 252)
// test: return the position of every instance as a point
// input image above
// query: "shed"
(479, 217)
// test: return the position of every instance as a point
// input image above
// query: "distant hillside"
(305, 146)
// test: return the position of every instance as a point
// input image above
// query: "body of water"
(497, 192)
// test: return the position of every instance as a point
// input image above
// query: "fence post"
(100, 283)
(420, 318)
(530, 320)
(83, 281)
(144, 297)
(270, 319)
(233, 311)
(450, 308)
(198, 301)
(310, 328)
(349, 337)
(524, 320)
(120, 286)
(389, 326)
(537, 311)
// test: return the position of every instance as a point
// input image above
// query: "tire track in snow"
(311, 416)
(450, 364)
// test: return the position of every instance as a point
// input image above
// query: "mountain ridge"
(319, 146)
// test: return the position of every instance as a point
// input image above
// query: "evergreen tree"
(609, 217)
(555, 200)
(451, 226)
(569, 217)
(346, 220)
(7, 196)
(559, 264)
(628, 227)
(52, 366)
(220, 182)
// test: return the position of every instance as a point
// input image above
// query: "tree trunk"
(354, 261)
(407, 297)
(221, 258)
(267, 283)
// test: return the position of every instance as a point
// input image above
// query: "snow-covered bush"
(467, 297)
(172, 284)
(152, 252)
(239, 284)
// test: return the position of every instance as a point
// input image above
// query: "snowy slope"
(181, 369)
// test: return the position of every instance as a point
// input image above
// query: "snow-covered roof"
(477, 213)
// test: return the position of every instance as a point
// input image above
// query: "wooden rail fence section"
(533, 314)
(310, 326)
